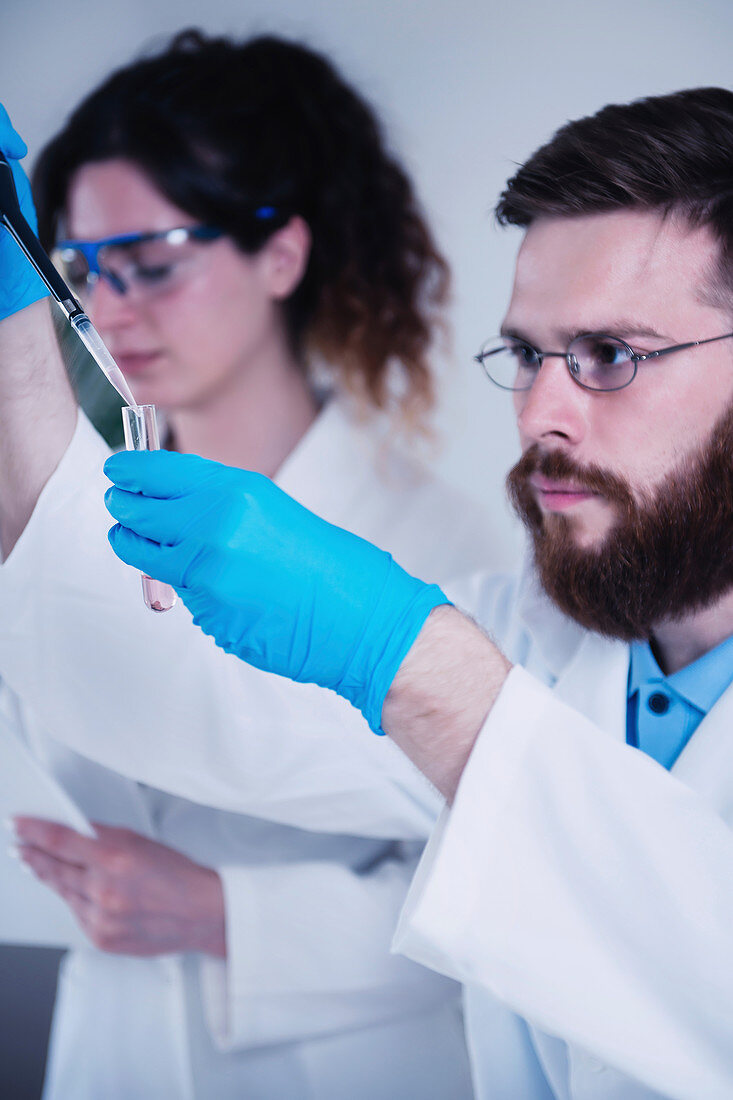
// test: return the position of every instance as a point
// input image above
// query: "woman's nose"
(106, 307)
(555, 407)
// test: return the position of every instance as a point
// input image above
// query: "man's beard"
(664, 558)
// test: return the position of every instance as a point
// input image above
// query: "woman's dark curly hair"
(223, 128)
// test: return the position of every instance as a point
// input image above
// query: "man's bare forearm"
(439, 700)
(37, 415)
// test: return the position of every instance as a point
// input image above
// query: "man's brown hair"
(670, 153)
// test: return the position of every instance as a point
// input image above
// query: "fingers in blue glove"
(20, 286)
(11, 143)
(161, 520)
(164, 563)
(160, 474)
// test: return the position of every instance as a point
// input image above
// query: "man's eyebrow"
(513, 334)
(622, 328)
(627, 330)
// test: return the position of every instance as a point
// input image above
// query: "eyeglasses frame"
(572, 363)
(90, 249)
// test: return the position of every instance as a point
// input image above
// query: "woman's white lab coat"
(309, 1002)
(583, 893)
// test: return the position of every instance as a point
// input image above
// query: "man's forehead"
(588, 270)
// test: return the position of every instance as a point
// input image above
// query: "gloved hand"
(273, 583)
(19, 283)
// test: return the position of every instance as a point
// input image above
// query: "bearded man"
(580, 880)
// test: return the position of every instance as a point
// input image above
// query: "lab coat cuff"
(258, 995)
(227, 990)
(446, 894)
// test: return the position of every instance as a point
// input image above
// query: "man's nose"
(555, 408)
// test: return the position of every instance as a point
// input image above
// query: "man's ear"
(286, 256)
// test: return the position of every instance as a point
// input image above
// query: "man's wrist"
(442, 693)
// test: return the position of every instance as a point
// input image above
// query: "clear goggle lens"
(145, 266)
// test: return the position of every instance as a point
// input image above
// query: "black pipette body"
(15, 223)
(12, 218)
(158, 596)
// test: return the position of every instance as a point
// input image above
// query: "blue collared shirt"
(663, 712)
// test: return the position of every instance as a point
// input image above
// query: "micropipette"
(157, 596)
(13, 220)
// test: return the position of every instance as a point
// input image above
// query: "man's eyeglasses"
(595, 361)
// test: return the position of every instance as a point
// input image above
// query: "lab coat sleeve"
(590, 891)
(308, 953)
(153, 698)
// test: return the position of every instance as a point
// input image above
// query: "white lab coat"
(309, 1002)
(590, 891)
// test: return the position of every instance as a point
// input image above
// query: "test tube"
(141, 434)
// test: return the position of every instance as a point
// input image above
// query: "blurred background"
(467, 90)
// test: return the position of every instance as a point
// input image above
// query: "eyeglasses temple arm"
(639, 358)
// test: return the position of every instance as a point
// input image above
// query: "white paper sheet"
(30, 913)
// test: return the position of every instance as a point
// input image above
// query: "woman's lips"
(557, 496)
(135, 362)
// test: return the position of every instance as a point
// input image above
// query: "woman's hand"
(131, 895)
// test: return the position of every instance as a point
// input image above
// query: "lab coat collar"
(595, 681)
(590, 672)
(331, 463)
(557, 636)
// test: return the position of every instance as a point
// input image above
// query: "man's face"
(604, 473)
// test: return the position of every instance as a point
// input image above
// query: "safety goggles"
(140, 265)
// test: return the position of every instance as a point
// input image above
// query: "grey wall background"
(468, 88)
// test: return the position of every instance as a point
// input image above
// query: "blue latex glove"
(273, 583)
(19, 283)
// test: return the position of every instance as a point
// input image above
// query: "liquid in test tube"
(141, 434)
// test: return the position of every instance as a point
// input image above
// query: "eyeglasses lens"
(601, 362)
(595, 361)
(510, 364)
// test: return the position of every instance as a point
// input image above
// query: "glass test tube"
(141, 434)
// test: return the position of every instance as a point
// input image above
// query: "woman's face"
(187, 340)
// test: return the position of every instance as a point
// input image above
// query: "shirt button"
(658, 703)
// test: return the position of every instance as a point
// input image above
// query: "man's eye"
(595, 353)
(524, 355)
(610, 355)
